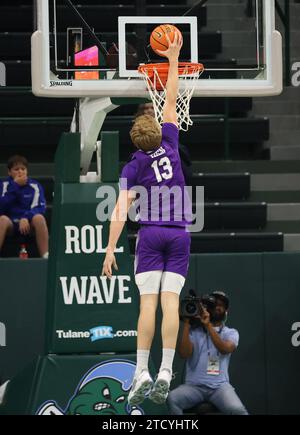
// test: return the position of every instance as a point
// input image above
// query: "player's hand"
(109, 263)
(24, 227)
(172, 53)
(21, 180)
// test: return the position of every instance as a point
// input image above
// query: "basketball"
(158, 39)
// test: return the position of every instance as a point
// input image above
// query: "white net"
(156, 87)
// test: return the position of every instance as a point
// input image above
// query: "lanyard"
(207, 341)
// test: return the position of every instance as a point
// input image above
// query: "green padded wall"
(282, 311)
(265, 299)
(109, 157)
(22, 311)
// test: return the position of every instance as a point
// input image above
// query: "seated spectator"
(186, 164)
(23, 205)
(207, 347)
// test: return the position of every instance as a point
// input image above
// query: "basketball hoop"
(156, 76)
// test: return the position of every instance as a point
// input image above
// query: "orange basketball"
(158, 40)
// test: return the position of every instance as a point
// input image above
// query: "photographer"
(207, 345)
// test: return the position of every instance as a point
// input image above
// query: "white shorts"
(150, 283)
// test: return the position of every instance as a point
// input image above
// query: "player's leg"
(146, 322)
(170, 321)
(169, 330)
(148, 281)
(143, 381)
(173, 279)
(39, 225)
(149, 264)
(6, 227)
(148, 284)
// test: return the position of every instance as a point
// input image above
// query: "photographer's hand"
(205, 318)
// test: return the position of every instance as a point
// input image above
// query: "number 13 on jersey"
(163, 169)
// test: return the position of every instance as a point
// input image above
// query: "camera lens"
(191, 308)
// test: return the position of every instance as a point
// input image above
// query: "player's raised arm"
(172, 53)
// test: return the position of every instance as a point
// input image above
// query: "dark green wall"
(265, 298)
(22, 310)
(282, 311)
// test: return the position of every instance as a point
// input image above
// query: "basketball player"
(163, 246)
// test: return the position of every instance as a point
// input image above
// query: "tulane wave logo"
(103, 391)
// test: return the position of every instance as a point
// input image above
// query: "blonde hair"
(146, 133)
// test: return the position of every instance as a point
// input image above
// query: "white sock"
(142, 358)
(167, 359)
(46, 256)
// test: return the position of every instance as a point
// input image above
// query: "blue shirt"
(19, 202)
(196, 367)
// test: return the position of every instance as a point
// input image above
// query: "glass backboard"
(94, 49)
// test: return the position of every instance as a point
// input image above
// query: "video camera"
(193, 305)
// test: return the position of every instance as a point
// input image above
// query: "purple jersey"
(158, 179)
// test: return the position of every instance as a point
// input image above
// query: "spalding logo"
(54, 83)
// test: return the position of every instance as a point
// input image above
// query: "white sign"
(89, 290)
(85, 240)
